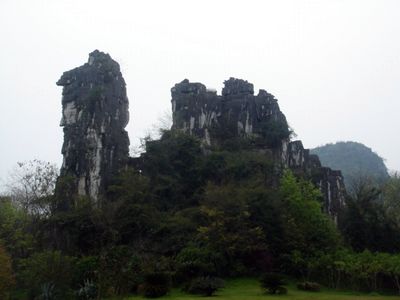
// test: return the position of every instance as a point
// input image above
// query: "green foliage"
(228, 229)
(7, 280)
(65, 196)
(205, 286)
(272, 283)
(176, 230)
(129, 186)
(82, 230)
(194, 261)
(14, 229)
(86, 269)
(268, 133)
(249, 288)
(355, 160)
(365, 222)
(191, 216)
(32, 185)
(119, 271)
(44, 268)
(307, 229)
(47, 292)
(156, 284)
(364, 271)
(309, 286)
(134, 222)
(273, 132)
(173, 165)
(391, 198)
(88, 291)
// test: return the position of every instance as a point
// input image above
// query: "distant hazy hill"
(354, 159)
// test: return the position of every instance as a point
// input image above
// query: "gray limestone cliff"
(94, 115)
(238, 113)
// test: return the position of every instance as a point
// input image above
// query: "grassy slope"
(247, 289)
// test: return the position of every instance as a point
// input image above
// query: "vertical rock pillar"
(94, 115)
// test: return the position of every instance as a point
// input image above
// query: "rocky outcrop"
(94, 115)
(238, 113)
(330, 182)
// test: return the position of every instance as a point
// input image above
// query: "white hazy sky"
(334, 65)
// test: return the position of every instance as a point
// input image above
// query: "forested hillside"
(179, 217)
(354, 159)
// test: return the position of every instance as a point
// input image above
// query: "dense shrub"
(45, 269)
(156, 284)
(309, 286)
(281, 290)
(194, 262)
(86, 269)
(88, 291)
(205, 286)
(273, 283)
(273, 132)
(6, 275)
(47, 292)
(118, 271)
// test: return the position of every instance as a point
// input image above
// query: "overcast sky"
(333, 65)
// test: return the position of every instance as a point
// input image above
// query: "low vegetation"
(247, 289)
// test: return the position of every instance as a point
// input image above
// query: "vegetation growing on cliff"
(179, 217)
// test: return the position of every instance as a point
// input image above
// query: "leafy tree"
(391, 197)
(7, 280)
(173, 165)
(391, 267)
(176, 230)
(366, 224)
(197, 261)
(119, 271)
(307, 228)
(15, 233)
(227, 228)
(273, 132)
(49, 267)
(32, 184)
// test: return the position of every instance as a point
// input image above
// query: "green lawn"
(243, 289)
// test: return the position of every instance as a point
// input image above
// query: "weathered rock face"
(94, 115)
(329, 181)
(213, 118)
(238, 113)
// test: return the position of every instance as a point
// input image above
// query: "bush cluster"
(309, 286)
(272, 283)
(205, 285)
(156, 284)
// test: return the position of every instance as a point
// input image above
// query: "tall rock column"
(94, 115)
